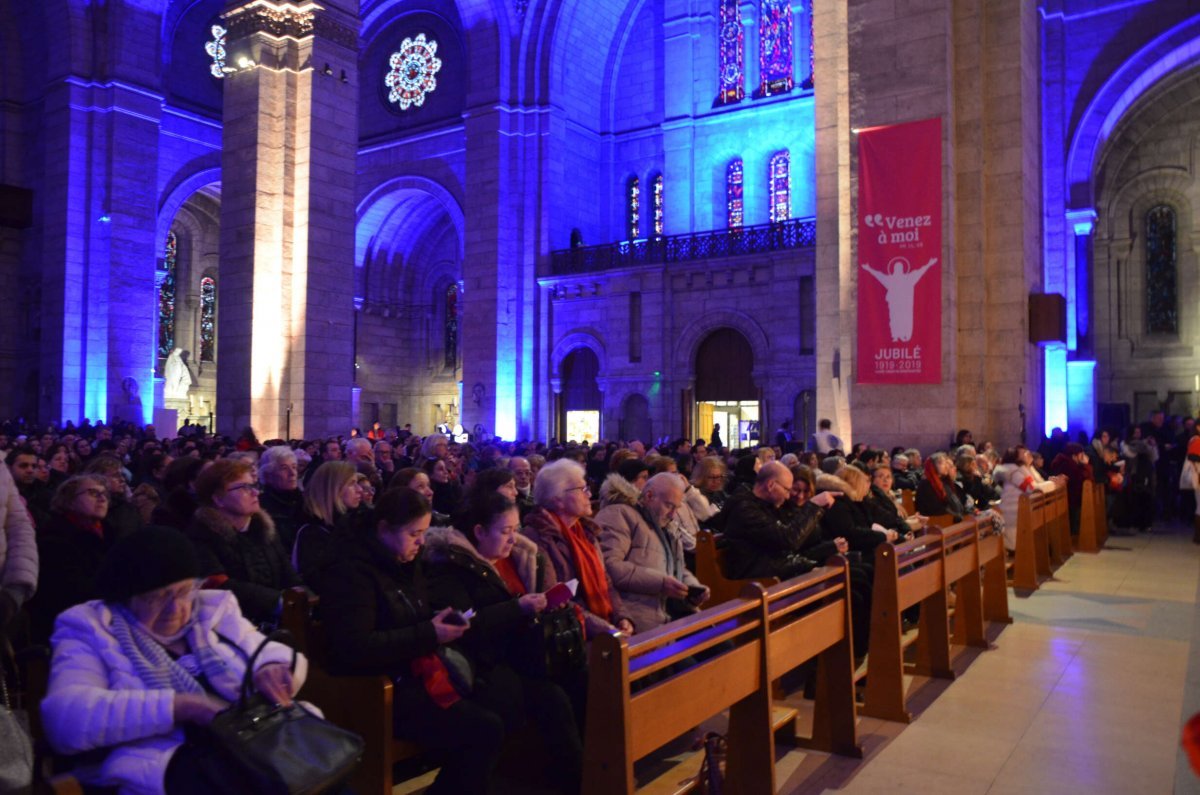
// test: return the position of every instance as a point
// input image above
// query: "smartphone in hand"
(696, 594)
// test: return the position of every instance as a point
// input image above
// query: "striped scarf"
(158, 670)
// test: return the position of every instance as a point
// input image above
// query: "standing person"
(1073, 462)
(823, 440)
(1191, 474)
(715, 442)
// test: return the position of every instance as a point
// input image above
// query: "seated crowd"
(143, 562)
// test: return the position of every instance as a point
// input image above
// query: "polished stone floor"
(1085, 692)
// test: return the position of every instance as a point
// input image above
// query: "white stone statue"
(176, 377)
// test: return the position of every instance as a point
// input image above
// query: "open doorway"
(725, 390)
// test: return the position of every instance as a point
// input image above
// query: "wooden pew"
(961, 567)
(624, 726)
(908, 499)
(994, 580)
(710, 570)
(1093, 520)
(1031, 559)
(809, 617)
(1058, 526)
(905, 575)
(362, 704)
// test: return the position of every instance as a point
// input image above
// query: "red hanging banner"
(900, 254)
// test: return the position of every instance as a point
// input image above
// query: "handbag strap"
(278, 636)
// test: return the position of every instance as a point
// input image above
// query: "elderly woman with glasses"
(236, 542)
(151, 655)
(564, 532)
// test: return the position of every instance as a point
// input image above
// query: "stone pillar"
(287, 218)
(974, 64)
(1081, 336)
(101, 127)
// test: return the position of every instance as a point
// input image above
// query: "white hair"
(358, 445)
(661, 482)
(274, 457)
(554, 479)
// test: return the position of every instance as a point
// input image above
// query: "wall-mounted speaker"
(1047, 318)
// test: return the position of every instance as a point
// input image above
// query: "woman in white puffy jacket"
(1016, 475)
(155, 653)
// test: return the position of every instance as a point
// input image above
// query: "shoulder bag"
(553, 646)
(260, 747)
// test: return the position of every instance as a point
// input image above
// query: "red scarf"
(589, 567)
(432, 672)
(512, 580)
(85, 524)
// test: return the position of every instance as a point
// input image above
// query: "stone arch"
(581, 338)
(404, 208)
(1177, 49)
(188, 181)
(688, 342)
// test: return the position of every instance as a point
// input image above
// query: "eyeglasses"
(583, 488)
(96, 494)
(254, 487)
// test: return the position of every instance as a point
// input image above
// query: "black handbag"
(553, 646)
(256, 746)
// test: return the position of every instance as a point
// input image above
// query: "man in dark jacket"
(758, 529)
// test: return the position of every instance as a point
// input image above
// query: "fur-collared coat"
(97, 700)
(635, 556)
(459, 577)
(252, 564)
(848, 518)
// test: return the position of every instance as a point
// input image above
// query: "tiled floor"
(1084, 693)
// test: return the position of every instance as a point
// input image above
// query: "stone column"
(974, 64)
(287, 217)
(100, 138)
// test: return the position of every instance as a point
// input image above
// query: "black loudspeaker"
(16, 207)
(1047, 318)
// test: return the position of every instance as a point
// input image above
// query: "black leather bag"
(259, 747)
(553, 646)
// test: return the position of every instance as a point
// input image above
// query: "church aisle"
(1085, 693)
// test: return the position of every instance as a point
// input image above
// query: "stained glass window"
(775, 47)
(450, 332)
(413, 72)
(731, 53)
(658, 205)
(809, 81)
(1162, 306)
(166, 298)
(780, 180)
(733, 194)
(208, 319)
(633, 208)
(216, 50)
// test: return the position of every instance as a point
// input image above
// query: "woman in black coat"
(849, 517)
(881, 506)
(376, 607)
(484, 564)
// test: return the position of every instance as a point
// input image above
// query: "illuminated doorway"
(725, 390)
(581, 400)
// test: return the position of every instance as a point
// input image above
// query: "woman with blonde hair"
(331, 501)
(707, 495)
(848, 517)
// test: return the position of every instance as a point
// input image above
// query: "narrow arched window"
(1162, 300)
(166, 297)
(731, 54)
(633, 208)
(208, 319)
(659, 210)
(780, 180)
(733, 195)
(775, 43)
(450, 327)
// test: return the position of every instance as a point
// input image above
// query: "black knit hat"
(146, 560)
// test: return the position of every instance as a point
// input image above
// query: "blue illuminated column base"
(1070, 392)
